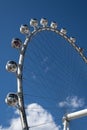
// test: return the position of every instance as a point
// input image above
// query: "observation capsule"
(11, 99)
(16, 43)
(24, 29)
(11, 66)
(81, 50)
(34, 23)
(44, 22)
(63, 31)
(72, 39)
(53, 25)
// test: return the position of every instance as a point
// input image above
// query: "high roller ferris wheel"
(17, 99)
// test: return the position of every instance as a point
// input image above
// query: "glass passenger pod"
(11, 66)
(44, 22)
(63, 31)
(24, 29)
(34, 23)
(72, 39)
(81, 50)
(53, 25)
(12, 99)
(16, 43)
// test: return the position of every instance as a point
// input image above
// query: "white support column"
(72, 116)
(65, 124)
(68, 126)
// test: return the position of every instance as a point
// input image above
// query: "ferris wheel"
(31, 37)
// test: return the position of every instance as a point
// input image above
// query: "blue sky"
(57, 78)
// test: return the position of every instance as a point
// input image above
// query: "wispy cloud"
(33, 75)
(45, 59)
(72, 103)
(38, 119)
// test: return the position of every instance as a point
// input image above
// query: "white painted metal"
(20, 88)
(20, 70)
(65, 125)
(77, 114)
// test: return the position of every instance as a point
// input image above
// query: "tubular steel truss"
(16, 43)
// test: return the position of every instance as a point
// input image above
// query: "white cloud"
(36, 116)
(72, 102)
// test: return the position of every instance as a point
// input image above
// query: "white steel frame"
(71, 116)
(29, 36)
